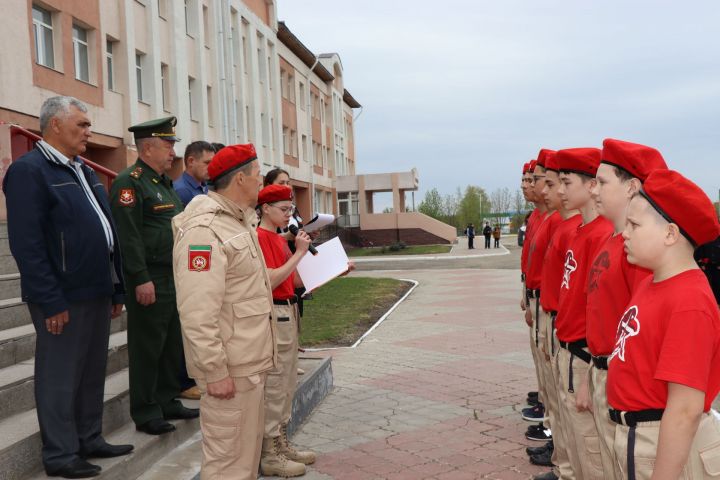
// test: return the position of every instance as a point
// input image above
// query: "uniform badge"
(127, 197)
(136, 173)
(628, 327)
(199, 257)
(159, 195)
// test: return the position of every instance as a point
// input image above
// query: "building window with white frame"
(81, 53)
(301, 93)
(139, 63)
(43, 30)
(286, 140)
(191, 98)
(110, 63)
(304, 148)
(163, 9)
(291, 87)
(165, 87)
(210, 106)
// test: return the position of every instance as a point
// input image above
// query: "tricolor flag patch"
(199, 257)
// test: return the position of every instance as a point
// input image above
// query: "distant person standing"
(470, 232)
(487, 233)
(194, 179)
(496, 235)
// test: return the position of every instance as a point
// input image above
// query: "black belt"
(530, 293)
(576, 348)
(600, 363)
(631, 419)
(290, 301)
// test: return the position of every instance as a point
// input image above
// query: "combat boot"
(305, 457)
(273, 462)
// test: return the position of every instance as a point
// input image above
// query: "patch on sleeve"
(199, 257)
(127, 197)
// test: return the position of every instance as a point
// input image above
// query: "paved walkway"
(434, 392)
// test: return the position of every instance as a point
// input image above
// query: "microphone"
(294, 230)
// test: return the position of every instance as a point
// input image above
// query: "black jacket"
(55, 236)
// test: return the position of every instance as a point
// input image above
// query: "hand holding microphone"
(302, 239)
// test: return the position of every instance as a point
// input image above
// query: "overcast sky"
(467, 91)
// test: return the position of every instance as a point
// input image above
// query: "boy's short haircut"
(584, 177)
(622, 174)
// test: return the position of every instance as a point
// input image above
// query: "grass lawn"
(409, 250)
(342, 310)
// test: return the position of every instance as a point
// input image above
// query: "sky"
(467, 91)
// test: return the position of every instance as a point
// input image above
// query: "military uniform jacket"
(143, 205)
(223, 291)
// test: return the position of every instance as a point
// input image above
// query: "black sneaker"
(532, 394)
(532, 401)
(546, 476)
(538, 450)
(544, 459)
(539, 435)
(534, 414)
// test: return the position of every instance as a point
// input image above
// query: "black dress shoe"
(76, 469)
(538, 450)
(546, 476)
(156, 426)
(109, 451)
(544, 459)
(182, 413)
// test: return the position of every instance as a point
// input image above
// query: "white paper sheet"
(320, 220)
(330, 262)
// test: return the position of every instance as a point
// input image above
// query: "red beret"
(683, 203)
(275, 193)
(531, 167)
(526, 167)
(542, 156)
(551, 162)
(584, 161)
(229, 159)
(638, 160)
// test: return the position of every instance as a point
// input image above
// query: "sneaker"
(544, 459)
(534, 414)
(534, 428)
(538, 450)
(539, 435)
(532, 394)
(546, 476)
(532, 401)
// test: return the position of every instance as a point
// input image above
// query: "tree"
(501, 200)
(432, 205)
(472, 206)
(519, 203)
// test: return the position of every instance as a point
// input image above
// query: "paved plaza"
(435, 391)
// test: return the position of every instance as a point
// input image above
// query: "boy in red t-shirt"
(577, 174)
(551, 276)
(276, 208)
(612, 279)
(663, 373)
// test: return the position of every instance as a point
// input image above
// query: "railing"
(32, 138)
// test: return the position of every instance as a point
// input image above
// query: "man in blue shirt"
(193, 181)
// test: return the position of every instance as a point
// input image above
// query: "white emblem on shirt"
(570, 267)
(159, 196)
(629, 326)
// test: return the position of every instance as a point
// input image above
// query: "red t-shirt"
(611, 281)
(276, 252)
(533, 219)
(554, 263)
(541, 239)
(583, 248)
(669, 333)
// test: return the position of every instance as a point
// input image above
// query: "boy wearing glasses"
(276, 208)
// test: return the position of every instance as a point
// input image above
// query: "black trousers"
(497, 243)
(70, 381)
(471, 242)
(487, 241)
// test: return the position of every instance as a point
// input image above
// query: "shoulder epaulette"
(136, 173)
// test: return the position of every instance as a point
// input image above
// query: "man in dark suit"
(64, 242)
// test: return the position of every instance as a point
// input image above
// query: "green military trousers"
(154, 349)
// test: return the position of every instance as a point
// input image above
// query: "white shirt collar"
(65, 160)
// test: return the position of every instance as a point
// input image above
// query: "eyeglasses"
(285, 210)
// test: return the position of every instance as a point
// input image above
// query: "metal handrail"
(36, 138)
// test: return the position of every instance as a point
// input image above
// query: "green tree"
(472, 207)
(432, 204)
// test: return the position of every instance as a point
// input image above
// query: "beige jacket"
(223, 290)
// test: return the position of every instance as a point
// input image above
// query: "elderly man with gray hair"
(65, 244)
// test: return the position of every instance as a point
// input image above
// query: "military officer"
(143, 203)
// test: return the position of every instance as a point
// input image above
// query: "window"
(291, 87)
(165, 87)
(109, 51)
(191, 97)
(210, 106)
(80, 49)
(293, 143)
(244, 54)
(283, 83)
(43, 30)
(265, 128)
(304, 148)
(139, 60)
(322, 110)
(162, 9)
(286, 141)
(301, 89)
(206, 26)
